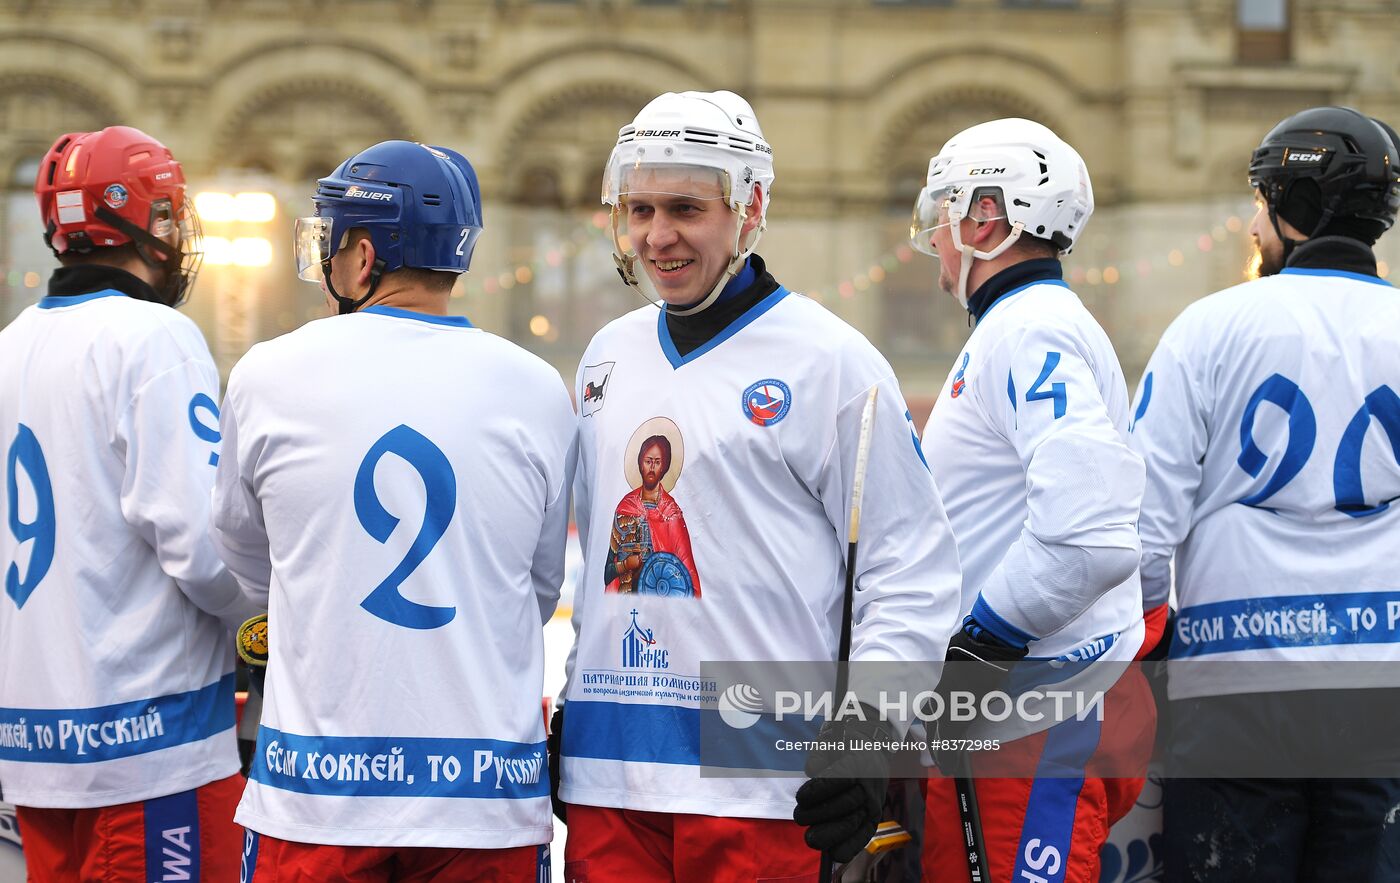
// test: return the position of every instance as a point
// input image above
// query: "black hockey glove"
(981, 664)
(841, 803)
(555, 747)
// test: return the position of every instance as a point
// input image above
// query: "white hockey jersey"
(116, 672)
(1269, 421)
(712, 503)
(1028, 445)
(396, 487)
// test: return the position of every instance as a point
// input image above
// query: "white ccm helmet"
(1043, 183)
(704, 145)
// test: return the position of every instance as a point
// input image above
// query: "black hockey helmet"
(1330, 171)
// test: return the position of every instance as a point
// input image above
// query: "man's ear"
(364, 259)
(753, 212)
(985, 231)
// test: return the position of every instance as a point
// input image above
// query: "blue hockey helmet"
(420, 205)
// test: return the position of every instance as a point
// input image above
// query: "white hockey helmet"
(704, 145)
(1043, 182)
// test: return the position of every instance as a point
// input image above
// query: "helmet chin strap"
(970, 253)
(1290, 244)
(345, 305)
(627, 269)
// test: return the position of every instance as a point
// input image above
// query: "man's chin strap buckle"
(626, 268)
(344, 305)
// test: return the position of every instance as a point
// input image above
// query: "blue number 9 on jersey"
(440, 485)
(26, 453)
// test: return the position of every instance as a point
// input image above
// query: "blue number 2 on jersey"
(1381, 405)
(440, 484)
(25, 452)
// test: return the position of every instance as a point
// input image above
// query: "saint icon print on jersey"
(649, 549)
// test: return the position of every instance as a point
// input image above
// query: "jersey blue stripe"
(743, 321)
(172, 837)
(1345, 274)
(992, 621)
(391, 766)
(52, 301)
(452, 321)
(1047, 831)
(1146, 400)
(1287, 621)
(249, 863)
(639, 733)
(918, 445)
(109, 732)
(1015, 291)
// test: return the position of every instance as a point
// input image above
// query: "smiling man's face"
(682, 229)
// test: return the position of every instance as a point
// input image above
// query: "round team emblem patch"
(767, 401)
(114, 196)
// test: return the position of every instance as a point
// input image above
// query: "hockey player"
(1263, 418)
(757, 392)
(116, 652)
(395, 485)
(1028, 445)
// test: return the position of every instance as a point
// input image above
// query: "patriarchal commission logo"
(740, 705)
(639, 648)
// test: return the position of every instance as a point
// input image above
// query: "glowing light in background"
(539, 326)
(254, 207)
(218, 251)
(214, 207)
(251, 251)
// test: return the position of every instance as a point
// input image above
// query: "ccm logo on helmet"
(361, 193)
(1303, 156)
(1000, 171)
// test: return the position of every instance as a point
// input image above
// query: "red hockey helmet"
(105, 189)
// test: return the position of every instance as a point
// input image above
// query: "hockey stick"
(843, 652)
(972, 824)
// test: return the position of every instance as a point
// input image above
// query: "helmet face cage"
(182, 263)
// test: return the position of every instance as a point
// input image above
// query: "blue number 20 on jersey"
(1382, 406)
(440, 485)
(26, 454)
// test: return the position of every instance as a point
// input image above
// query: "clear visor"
(677, 192)
(939, 207)
(671, 179)
(931, 213)
(313, 245)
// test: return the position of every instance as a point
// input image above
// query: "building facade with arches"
(1164, 98)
